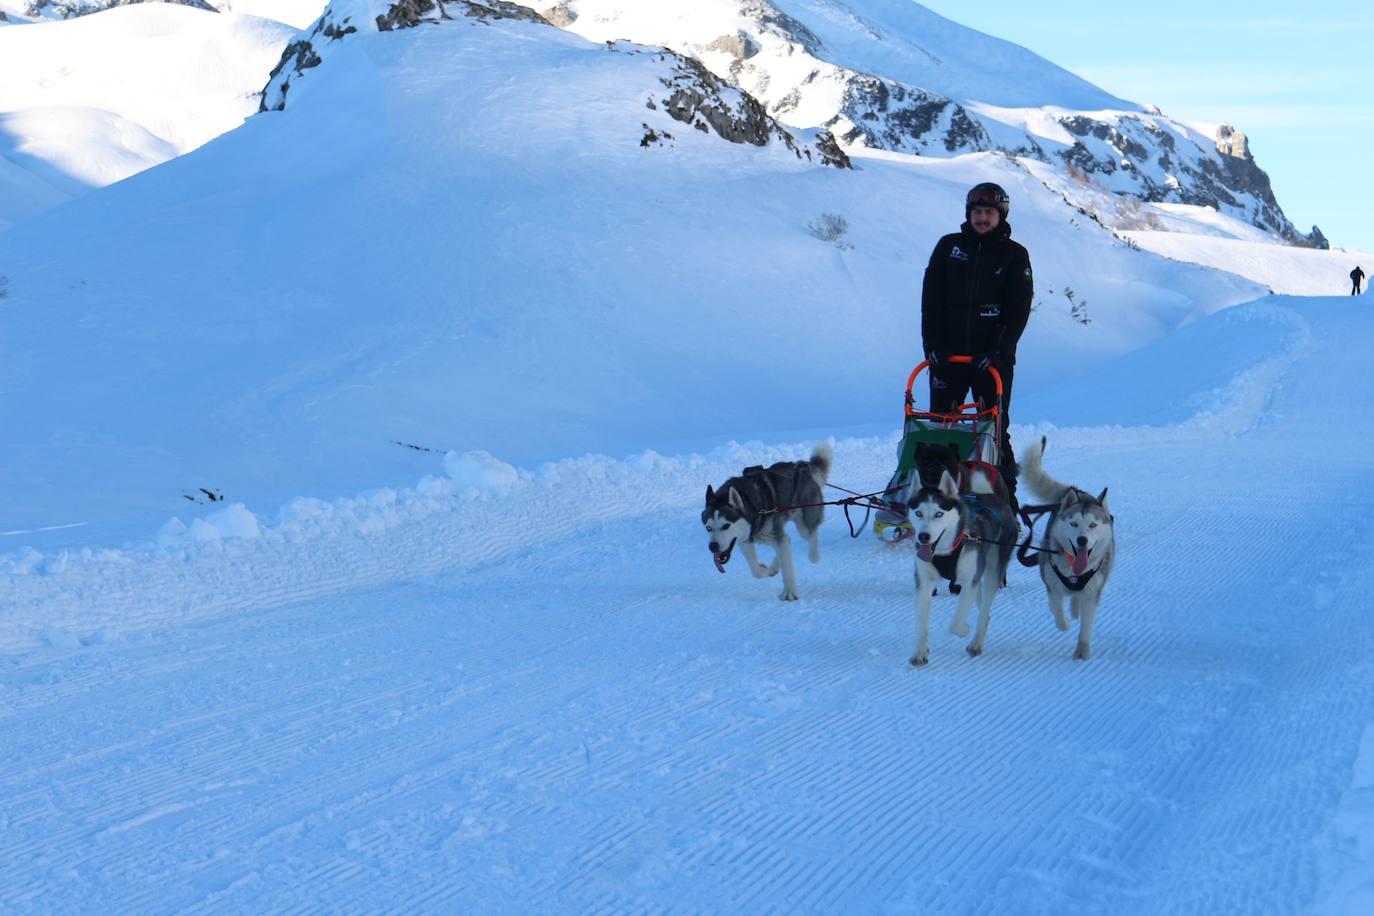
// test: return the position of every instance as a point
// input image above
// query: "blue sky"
(1297, 79)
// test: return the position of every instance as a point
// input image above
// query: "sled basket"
(974, 428)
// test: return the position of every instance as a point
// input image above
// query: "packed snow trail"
(600, 722)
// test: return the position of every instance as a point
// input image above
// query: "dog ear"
(710, 494)
(736, 501)
(948, 487)
(1070, 498)
(1103, 498)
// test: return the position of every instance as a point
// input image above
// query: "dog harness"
(768, 498)
(768, 493)
(947, 563)
(1074, 583)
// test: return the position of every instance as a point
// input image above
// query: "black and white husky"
(964, 538)
(1078, 549)
(755, 507)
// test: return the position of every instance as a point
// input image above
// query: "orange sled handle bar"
(911, 379)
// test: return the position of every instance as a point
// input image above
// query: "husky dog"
(963, 538)
(754, 509)
(930, 460)
(1078, 550)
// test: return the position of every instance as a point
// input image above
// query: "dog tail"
(822, 457)
(980, 481)
(1036, 480)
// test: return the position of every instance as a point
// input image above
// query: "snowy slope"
(90, 101)
(297, 13)
(453, 237)
(1296, 271)
(532, 692)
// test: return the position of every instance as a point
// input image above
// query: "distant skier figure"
(976, 299)
(1356, 276)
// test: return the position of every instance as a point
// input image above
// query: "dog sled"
(975, 430)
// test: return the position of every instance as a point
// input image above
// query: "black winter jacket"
(977, 294)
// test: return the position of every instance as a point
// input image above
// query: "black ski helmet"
(987, 194)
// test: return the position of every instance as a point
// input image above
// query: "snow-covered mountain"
(884, 74)
(490, 233)
(685, 91)
(88, 102)
(297, 13)
(892, 75)
(39, 10)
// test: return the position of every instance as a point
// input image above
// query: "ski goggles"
(982, 197)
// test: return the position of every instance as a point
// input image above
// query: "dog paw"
(958, 629)
(814, 556)
(1062, 624)
(1082, 653)
(788, 596)
(919, 659)
(974, 651)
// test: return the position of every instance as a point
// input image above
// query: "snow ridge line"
(227, 562)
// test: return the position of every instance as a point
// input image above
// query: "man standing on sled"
(976, 300)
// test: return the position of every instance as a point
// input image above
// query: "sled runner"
(974, 429)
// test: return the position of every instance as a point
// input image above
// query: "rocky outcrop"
(1146, 156)
(1315, 239)
(772, 20)
(739, 46)
(303, 55)
(884, 114)
(406, 14)
(697, 97)
(560, 15)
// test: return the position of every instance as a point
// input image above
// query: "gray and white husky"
(1078, 549)
(755, 507)
(965, 538)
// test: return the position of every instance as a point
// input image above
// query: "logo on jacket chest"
(958, 253)
(989, 311)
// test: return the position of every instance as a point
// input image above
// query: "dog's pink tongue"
(926, 552)
(1080, 560)
(719, 565)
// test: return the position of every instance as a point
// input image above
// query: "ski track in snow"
(547, 700)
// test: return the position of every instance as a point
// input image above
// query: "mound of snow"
(90, 101)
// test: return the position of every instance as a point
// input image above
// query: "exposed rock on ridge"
(689, 92)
